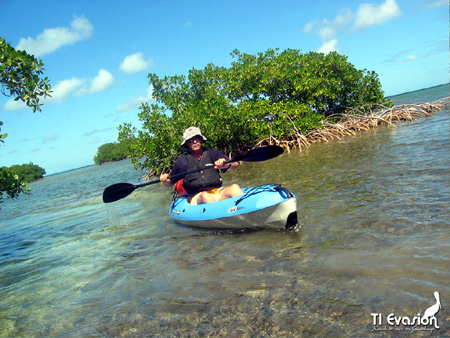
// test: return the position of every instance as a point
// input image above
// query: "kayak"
(269, 206)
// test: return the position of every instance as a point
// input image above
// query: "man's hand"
(220, 164)
(166, 180)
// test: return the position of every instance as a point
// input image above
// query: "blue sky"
(98, 54)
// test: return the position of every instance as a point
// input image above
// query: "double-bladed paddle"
(118, 191)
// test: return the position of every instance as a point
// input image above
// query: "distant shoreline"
(69, 170)
(418, 90)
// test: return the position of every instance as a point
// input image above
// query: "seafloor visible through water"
(374, 211)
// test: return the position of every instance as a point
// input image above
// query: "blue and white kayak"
(265, 207)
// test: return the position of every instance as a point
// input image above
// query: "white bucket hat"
(190, 133)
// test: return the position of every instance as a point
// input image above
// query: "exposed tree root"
(357, 121)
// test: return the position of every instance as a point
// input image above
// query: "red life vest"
(180, 189)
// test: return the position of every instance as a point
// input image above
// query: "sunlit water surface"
(374, 211)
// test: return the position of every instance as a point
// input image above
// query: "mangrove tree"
(21, 76)
(269, 95)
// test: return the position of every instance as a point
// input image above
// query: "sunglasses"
(195, 138)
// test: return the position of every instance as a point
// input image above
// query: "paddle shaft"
(181, 175)
(118, 191)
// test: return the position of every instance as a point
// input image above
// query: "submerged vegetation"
(270, 97)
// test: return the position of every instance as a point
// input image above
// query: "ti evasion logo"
(425, 322)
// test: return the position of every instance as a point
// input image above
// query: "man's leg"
(231, 191)
(203, 198)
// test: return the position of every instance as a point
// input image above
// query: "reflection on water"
(374, 212)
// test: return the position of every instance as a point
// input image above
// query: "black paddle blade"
(260, 154)
(117, 191)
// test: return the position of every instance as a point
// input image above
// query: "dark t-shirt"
(181, 164)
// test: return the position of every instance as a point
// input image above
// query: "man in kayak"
(204, 186)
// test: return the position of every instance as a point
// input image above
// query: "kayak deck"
(265, 207)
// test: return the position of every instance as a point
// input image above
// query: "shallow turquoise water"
(374, 238)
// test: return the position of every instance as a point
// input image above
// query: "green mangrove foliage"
(111, 152)
(27, 172)
(270, 95)
(11, 184)
(13, 180)
(21, 77)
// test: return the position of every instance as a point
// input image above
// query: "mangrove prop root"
(358, 120)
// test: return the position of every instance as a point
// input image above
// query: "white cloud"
(402, 57)
(102, 81)
(132, 103)
(328, 46)
(11, 105)
(92, 132)
(135, 63)
(63, 89)
(309, 27)
(369, 15)
(328, 30)
(50, 138)
(435, 3)
(54, 38)
(343, 19)
(96, 131)
(135, 102)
